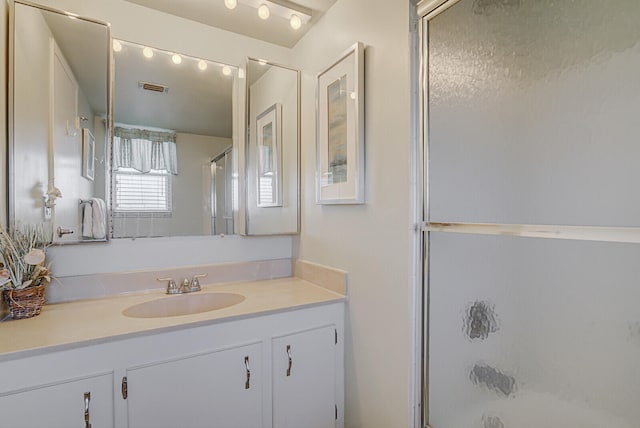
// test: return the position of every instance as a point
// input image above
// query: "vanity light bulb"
(263, 11)
(295, 22)
(202, 65)
(226, 70)
(177, 59)
(117, 46)
(147, 52)
(231, 4)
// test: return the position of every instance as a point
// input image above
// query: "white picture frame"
(88, 154)
(268, 155)
(340, 152)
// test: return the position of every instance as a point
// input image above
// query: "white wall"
(149, 27)
(372, 241)
(31, 116)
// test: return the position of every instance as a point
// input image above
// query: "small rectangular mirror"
(59, 112)
(272, 151)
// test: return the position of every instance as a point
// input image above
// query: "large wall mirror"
(58, 124)
(272, 150)
(173, 139)
(113, 139)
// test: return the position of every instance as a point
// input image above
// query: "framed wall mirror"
(173, 139)
(59, 115)
(272, 150)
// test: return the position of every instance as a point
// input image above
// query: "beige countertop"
(75, 324)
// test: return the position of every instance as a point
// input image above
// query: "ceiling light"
(177, 59)
(202, 65)
(231, 4)
(263, 11)
(117, 46)
(295, 22)
(147, 52)
(226, 70)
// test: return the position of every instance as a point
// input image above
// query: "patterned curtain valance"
(144, 150)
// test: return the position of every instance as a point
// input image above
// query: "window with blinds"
(142, 194)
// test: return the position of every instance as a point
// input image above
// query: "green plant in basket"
(23, 256)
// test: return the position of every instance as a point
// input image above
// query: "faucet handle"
(172, 288)
(195, 283)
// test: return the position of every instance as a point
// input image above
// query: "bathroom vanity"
(276, 359)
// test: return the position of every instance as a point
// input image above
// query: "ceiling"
(197, 101)
(243, 19)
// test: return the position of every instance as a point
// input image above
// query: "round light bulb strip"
(177, 59)
(264, 12)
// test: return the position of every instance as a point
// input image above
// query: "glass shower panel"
(533, 112)
(533, 333)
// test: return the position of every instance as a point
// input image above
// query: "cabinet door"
(61, 405)
(205, 390)
(304, 379)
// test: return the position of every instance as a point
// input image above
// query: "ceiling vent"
(153, 87)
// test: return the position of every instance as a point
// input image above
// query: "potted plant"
(23, 272)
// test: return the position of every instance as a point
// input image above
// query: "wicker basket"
(25, 303)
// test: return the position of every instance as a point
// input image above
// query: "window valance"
(144, 150)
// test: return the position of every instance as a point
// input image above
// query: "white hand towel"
(99, 226)
(87, 220)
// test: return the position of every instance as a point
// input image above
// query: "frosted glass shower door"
(533, 112)
(533, 333)
(532, 123)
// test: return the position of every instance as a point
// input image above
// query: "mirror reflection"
(272, 149)
(172, 144)
(57, 127)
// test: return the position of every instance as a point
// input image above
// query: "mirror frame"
(10, 186)
(245, 230)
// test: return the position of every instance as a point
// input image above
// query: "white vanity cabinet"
(221, 389)
(304, 379)
(225, 373)
(81, 402)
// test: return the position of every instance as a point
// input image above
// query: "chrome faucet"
(195, 282)
(186, 286)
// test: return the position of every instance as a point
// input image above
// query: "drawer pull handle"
(247, 383)
(290, 360)
(87, 416)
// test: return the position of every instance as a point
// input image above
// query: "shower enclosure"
(222, 194)
(531, 138)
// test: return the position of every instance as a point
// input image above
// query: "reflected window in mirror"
(143, 164)
(173, 144)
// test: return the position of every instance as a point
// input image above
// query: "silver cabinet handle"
(87, 416)
(290, 360)
(62, 232)
(247, 383)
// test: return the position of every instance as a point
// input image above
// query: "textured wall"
(370, 241)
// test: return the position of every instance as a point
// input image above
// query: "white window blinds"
(142, 193)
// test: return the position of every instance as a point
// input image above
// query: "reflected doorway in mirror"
(88, 154)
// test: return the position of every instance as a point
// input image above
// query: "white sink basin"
(183, 304)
